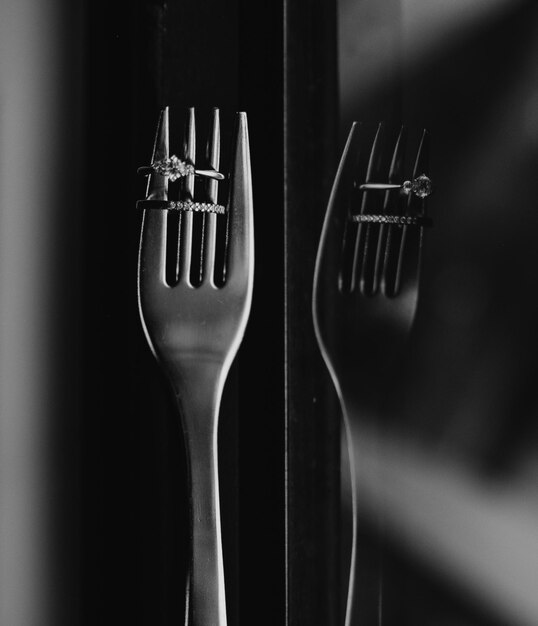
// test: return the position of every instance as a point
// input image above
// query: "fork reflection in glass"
(364, 301)
(194, 318)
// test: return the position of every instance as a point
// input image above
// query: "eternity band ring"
(421, 186)
(398, 220)
(182, 205)
(173, 167)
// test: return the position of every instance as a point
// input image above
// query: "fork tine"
(421, 165)
(421, 162)
(328, 271)
(152, 254)
(391, 200)
(157, 184)
(185, 237)
(373, 161)
(395, 172)
(408, 265)
(365, 239)
(241, 228)
(210, 221)
(389, 248)
(213, 153)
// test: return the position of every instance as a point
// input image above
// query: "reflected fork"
(364, 301)
(194, 321)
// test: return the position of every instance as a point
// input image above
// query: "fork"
(194, 326)
(364, 301)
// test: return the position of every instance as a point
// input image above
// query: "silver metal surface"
(364, 301)
(195, 331)
(379, 186)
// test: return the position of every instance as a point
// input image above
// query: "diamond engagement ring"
(420, 186)
(175, 168)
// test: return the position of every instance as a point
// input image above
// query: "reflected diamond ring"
(420, 186)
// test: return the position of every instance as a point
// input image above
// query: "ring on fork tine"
(173, 167)
(182, 205)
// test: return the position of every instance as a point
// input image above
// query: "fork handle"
(199, 403)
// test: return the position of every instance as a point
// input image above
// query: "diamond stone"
(421, 186)
(173, 167)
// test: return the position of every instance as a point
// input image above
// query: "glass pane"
(458, 460)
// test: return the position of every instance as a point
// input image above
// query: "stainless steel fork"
(364, 300)
(194, 329)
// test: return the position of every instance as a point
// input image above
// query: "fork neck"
(360, 391)
(197, 385)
